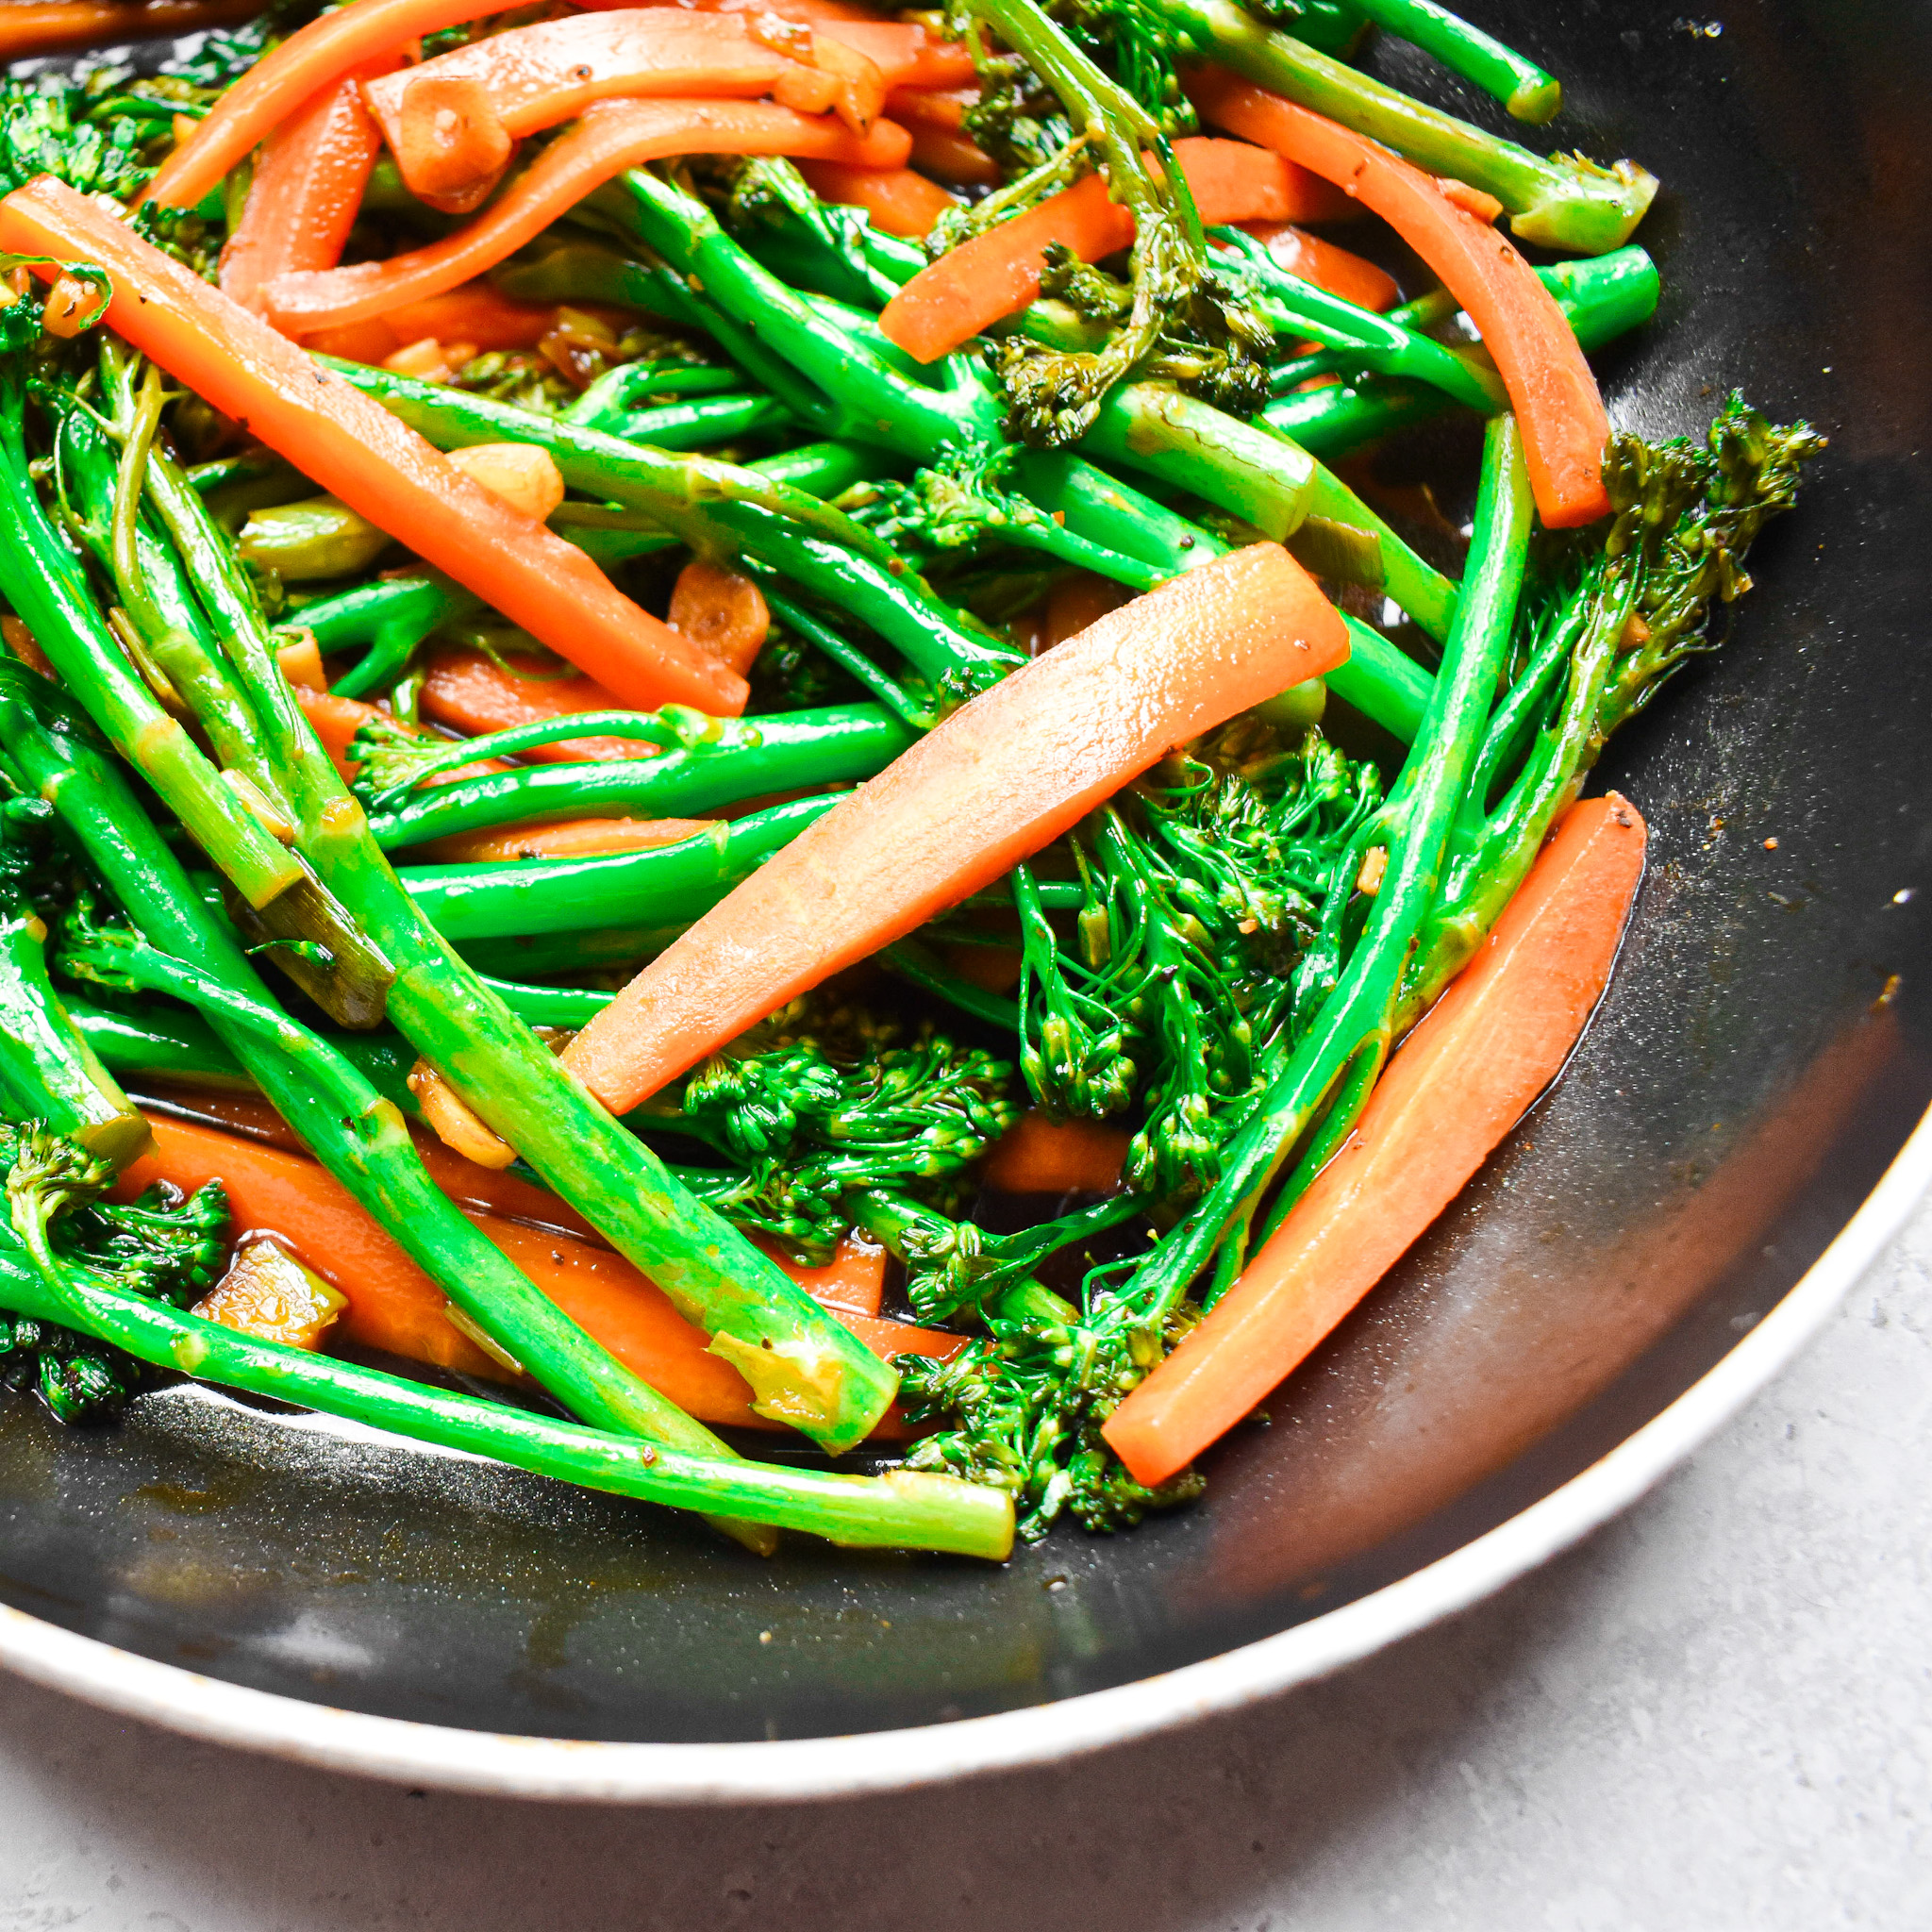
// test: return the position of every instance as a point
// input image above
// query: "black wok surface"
(1763, 1052)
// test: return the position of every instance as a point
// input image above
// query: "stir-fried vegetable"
(709, 660)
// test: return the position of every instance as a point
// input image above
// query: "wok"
(1634, 1261)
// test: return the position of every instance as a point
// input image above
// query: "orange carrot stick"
(59, 26)
(1551, 389)
(972, 286)
(994, 782)
(394, 1307)
(1038, 1155)
(611, 137)
(306, 189)
(354, 448)
(473, 694)
(1469, 1072)
(568, 839)
(900, 201)
(534, 77)
(276, 86)
(1328, 267)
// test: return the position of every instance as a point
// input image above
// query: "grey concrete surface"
(1716, 1715)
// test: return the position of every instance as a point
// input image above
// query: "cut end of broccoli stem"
(1589, 209)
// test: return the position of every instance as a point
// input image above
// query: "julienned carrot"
(1471, 1069)
(611, 137)
(477, 313)
(306, 189)
(995, 781)
(900, 201)
(59, 26)
(1038, 1155)
(353, 447)
(1328, 267)
(534, 77)
(473, 694)
(538, 77)
(972, 287)
(394, 1307)
(1551, 389)
(277, 86)
(568, 839)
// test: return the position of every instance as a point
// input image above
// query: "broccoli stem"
(1262, 478)
(1356, 1022)
(1521, 84)
(803, 1367)
(169, 1044)
(391, 617)
(1564, 201)
(45, 584)
(902, 1510)
(797, 751)
(49, 1070)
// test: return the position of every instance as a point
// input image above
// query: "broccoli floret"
(164, 1245)
(41, 132)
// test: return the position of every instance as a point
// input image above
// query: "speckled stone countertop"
(1717, 1714)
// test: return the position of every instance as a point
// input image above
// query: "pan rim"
(562, 1770)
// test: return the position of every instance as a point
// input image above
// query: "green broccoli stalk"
(1564, 201)
(1523, 88)
(724, 762)
(1624, 612)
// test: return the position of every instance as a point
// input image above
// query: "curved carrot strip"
(474, 694)
(277, 86)
(308, 187)
(611, 137)
(567, 839)
(538, 77)
(355, 449)
(898, 201)
(1327, 266)
(999, 778)
(972, 287)
(59, 26)
(1468, 1073)
(394, 1307)
(1550, 385)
